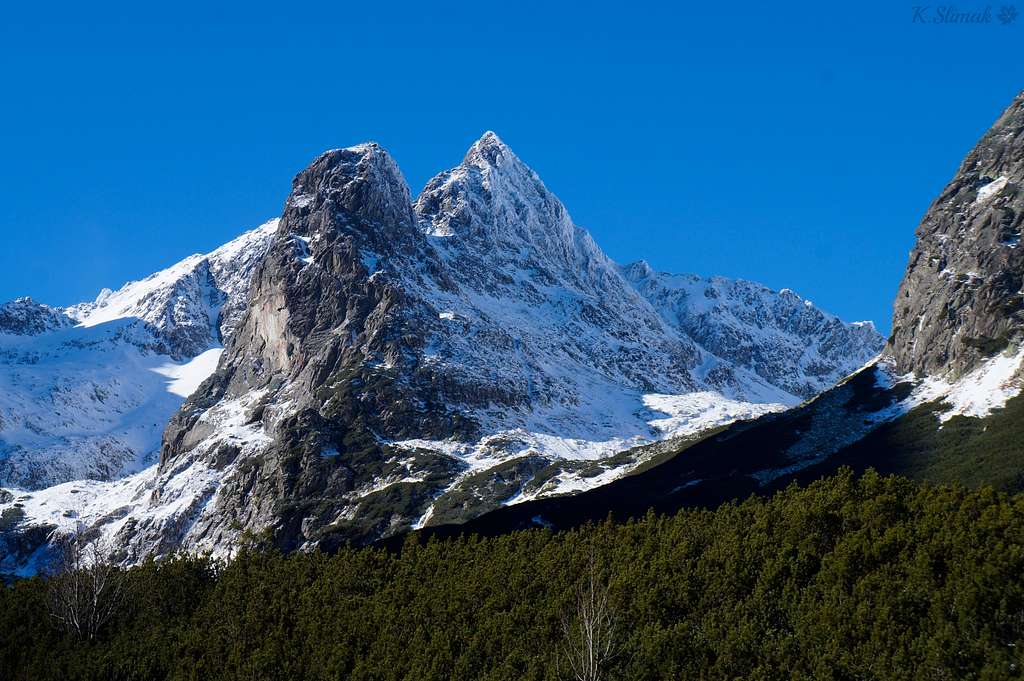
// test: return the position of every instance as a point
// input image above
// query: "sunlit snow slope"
(85, 392)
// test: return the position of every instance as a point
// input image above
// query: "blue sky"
(793, 145)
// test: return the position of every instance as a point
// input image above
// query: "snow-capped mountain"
(405, 363)
(779, 336)
(86, 391)
(392, 364)
(387, 364)
(191, 306)
(944, 402)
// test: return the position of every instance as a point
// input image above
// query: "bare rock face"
(961, 301)
(326, 357)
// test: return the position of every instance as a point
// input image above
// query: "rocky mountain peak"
(638, 270)
(25, 317)
(489, 152)
(961, 301)
(494, 208)
(768, 332)
(502, 171)
(359, 189)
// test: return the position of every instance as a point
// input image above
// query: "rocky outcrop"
(961, 301)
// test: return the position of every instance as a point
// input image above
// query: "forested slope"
(849, 578)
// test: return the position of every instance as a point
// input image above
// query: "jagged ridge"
(85, 392)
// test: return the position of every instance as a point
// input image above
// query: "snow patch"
(87, 402)
(978, 393)
(618, 424)
(301, 200)
(187, 377)
(991, 189)
(370, 261)
(302, 247)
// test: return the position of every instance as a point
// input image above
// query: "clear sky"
(793, 145)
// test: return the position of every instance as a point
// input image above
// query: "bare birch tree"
(88, 589)
(589, 630)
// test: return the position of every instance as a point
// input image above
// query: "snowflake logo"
(1007, 14)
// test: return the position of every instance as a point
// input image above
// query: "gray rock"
(962, 300)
